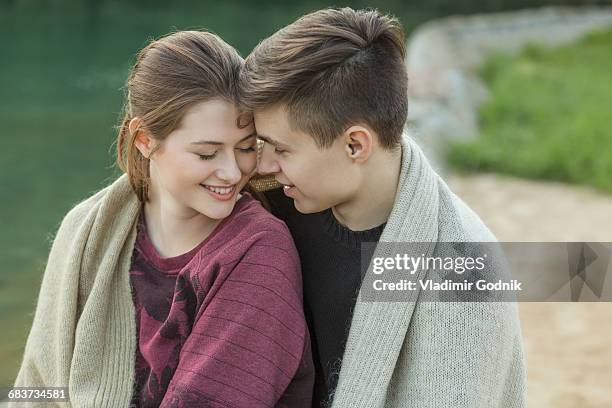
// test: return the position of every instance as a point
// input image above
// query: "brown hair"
(170, 75)
(333, 68)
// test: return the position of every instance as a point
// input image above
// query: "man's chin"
(306, 208)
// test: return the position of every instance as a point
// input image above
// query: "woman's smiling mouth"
(220, 193)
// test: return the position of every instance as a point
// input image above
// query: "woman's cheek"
(247, 163)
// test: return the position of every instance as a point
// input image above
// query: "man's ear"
(142, 140)
(359, 142)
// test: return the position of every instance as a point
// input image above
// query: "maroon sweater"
(222, 325)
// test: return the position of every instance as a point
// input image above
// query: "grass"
(549, 116)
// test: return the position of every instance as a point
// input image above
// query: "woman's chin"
(216, 211)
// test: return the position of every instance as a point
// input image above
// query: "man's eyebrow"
(215, 143)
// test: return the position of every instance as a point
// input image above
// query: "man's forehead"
(272, 127)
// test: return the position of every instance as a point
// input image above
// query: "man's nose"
(267, 163)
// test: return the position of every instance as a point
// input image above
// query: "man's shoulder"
(459, 222)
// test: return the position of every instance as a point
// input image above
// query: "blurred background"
(532, 154)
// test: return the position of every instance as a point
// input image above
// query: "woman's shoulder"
(253, 234)
(87, 204)
(251, 217)
(119, 189)
(78, 213)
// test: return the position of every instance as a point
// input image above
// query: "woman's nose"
(229, 171)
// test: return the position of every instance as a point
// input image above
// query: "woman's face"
(203, 164)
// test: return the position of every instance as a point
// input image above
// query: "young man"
(329, 97)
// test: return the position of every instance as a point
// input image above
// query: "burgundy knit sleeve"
(249, 346)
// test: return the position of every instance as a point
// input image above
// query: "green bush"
(549, 116)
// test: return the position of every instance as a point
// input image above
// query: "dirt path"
(568, 345)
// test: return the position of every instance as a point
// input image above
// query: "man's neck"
(373, 202)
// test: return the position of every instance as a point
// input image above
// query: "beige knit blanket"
(84, 331)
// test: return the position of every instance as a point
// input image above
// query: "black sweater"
(331, 267)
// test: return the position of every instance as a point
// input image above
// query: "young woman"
(173, 286)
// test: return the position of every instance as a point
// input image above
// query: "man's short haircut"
(331, 69)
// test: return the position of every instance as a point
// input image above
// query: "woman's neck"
(174, 229)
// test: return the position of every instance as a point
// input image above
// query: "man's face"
(316, 179)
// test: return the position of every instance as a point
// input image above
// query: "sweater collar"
(345, 235)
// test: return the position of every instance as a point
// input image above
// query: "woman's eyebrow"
(215, 143)
(248, 137)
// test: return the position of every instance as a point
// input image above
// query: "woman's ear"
(358, 143)
(142, 140)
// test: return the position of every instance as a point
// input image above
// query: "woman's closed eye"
(248, 149)
(207, 156)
